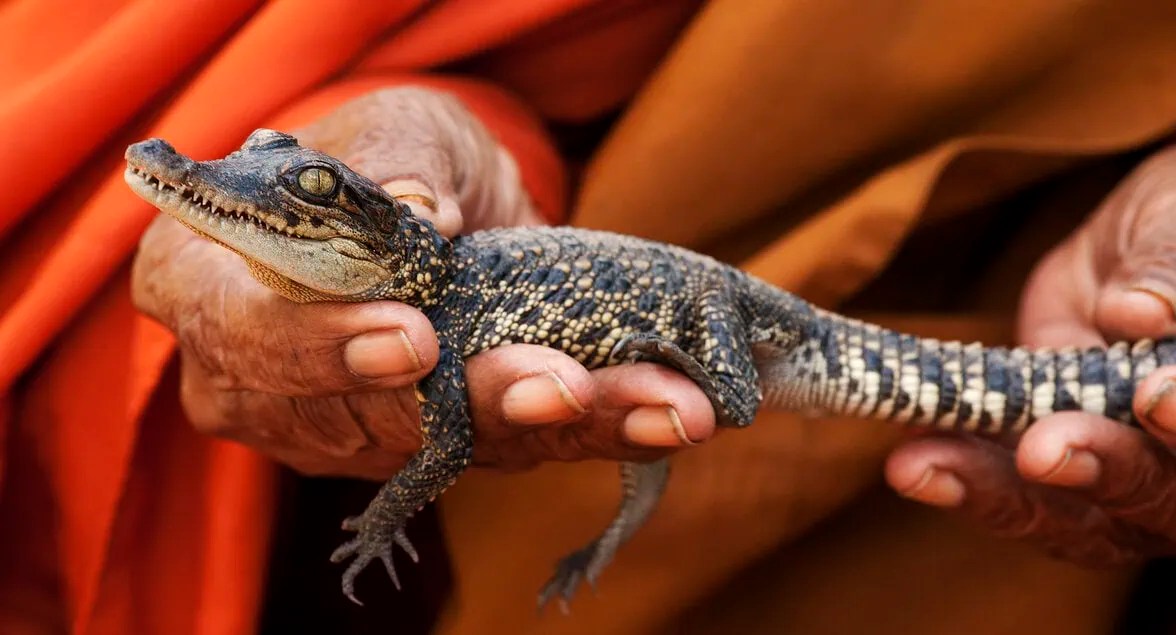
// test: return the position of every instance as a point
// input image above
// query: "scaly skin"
(314, 230)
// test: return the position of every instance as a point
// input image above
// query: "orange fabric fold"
(159, 530)
(91, 81)
(206, 118)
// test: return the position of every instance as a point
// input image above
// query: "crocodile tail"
(853, 368)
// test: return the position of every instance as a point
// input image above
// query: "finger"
(1133, 312)
(1055, 310)
(640, 412)
(520, 385)
(654, 405)
(367, 435)
(1123, 471)
(1155, 404)
(978, 480)
(246, 337)
(515, 387)
(310, 350)
(1136, 252)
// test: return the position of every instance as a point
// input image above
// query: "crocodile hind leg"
(725, 373)
(444, 454)
(642, 487)
(728, 379)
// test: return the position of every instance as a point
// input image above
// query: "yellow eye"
(316, 181)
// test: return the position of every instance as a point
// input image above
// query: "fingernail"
(937, 487)
(540, 399)
(1076, 468)
(1146, 293)
(658, 426)
(1161, 406)
(381, 354)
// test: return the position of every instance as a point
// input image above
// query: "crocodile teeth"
(205, 208)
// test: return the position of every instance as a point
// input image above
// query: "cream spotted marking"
(312, 229)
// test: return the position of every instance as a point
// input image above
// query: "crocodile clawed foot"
(374, 541)
(573, 569)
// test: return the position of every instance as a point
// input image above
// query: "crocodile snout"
(158, 156)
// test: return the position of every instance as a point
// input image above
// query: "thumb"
(305, 350)
(1135, 252)
(244, 336)
(1139, 299)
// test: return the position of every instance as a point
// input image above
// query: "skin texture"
(326, 388)
(1080, 486)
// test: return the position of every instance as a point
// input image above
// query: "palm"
(1081, 487)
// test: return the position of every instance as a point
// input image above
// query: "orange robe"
(866, 122)
(119, 519)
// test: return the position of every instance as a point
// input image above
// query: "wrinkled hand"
(327, 388)
(1080, 486)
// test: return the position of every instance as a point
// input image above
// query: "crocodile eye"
(316, 181)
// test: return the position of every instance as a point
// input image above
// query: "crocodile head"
(307, 225)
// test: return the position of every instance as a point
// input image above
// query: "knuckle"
(150, 293)
(1146, 494)
(559, 444)
(327, 426)
(388, 419)
(596, 441)
(143, 291)
(209, 411)
(1141, 482)
(586, 440)
(1012, 513)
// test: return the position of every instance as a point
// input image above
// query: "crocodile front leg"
(444, 454)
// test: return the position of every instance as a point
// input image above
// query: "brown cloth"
(814, 142)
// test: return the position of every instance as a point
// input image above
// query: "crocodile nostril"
(158, 154)
(151, 147)
(159, 145)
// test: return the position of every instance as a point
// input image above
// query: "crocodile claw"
(374, 541)
(573, 569)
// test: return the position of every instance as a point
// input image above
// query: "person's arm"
(1082, 487)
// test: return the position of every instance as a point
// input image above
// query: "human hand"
(327, 388)
(1080, 486)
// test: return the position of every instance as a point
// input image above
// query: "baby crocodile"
(312, 229)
